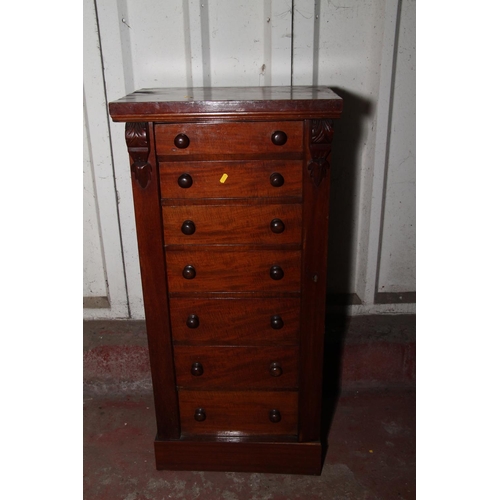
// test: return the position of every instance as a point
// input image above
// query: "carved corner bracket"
(320, 146)
(137, 139)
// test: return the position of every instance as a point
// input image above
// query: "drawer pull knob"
(185, 181)
(200, 415)
(181, 141)
(277, 226)
(197, 369)
(275, 369)
(189, 272)
(277, 322)
(276, 180)
(193, 321)
(274, 416)
(279, 138)
(188, 227)
(276, 273)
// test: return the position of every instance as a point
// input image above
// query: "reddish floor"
(371, 455)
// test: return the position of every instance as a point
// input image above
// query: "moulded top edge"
(298, 101)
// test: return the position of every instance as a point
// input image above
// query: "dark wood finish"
(223, 270)
(188, 227)
(216, 138)
(184, 181)
(153, 274)
(276, 273)
(314, 258)
(236, 321)
(227, 103)
(239, 412)
(231, 195)
(236, 367)
(181, 141)
(275, 416)
(276, 179)
(277, 226)
(232, 224)
(199, 415)
(192, 322)
(279, 138)
(277, 322)
(197, 369)
(217, 455)
(244, 179)
(189, 272)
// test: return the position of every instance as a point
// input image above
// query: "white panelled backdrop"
(363, 49)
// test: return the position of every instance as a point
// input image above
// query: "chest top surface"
(230, 103)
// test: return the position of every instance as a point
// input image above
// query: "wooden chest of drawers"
(231, 190)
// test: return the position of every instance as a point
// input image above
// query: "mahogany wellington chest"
(231, 190)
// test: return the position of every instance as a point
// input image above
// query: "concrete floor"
(371, 455)
(370, 428)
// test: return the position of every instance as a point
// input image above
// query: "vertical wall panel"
(305, 33)
(157, 43)
(94, 279)
(340, 45)
(101, 161)
(398, 248)
(347, 46)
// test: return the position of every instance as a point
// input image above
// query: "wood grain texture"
(238, 413)
(232, 270)
(261, 457)
(232, 224)
(228, 138)
(314, 260)
(236, 367)
(227, 103)
(235, 321)
(244, 179)
(153, 274)
(231, 191)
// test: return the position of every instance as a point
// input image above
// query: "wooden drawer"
(227, 138)
(263, 367)
(232, 224)
(245, 179)
(238, 412)
(235, 321)
(227, 269)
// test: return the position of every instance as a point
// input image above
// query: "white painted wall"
(398, 245)
(349, 45)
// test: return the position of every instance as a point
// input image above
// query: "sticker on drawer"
(223, 178)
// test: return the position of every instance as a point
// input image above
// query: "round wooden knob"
(196, 369)
(193, 321)
(181, 141)
(277, 322)
(275, 369)
(185, 181)
(277, 226)
(276, 273)
(188, 227)
(200, 415)
(274, 416)
(189, 272)
(276, 180)
(279, 138)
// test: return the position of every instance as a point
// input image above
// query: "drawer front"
(208, 224)
(223, 270)
(263, 367)
(185, 139)
(251, 179)
(238, 412)
(235, 321)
